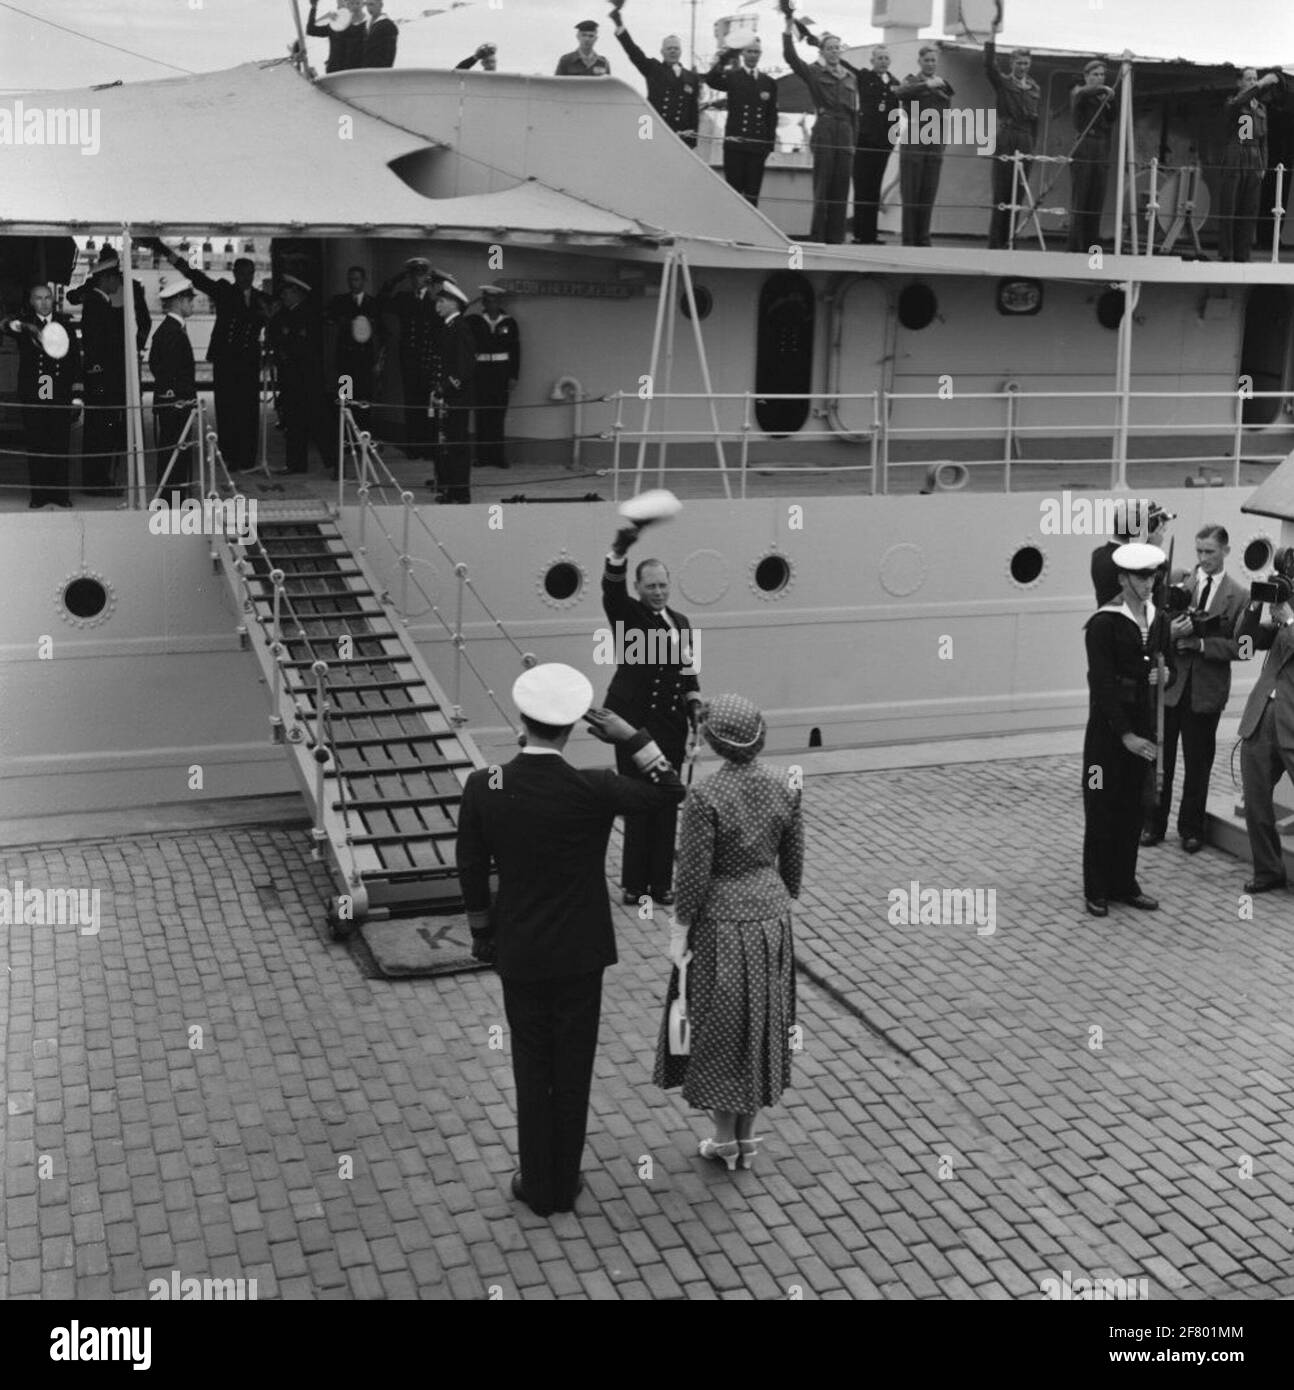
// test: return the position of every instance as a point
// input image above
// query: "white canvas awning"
(258, 149)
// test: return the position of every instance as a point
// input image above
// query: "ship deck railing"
(878, 434)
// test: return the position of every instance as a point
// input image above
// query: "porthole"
(1109, 309)
(704, 302)
(917, 307)
(563, 582)
(772, 575)
(1258, 554)
(1027, 564)
(85, 600)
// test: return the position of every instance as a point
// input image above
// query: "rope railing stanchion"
(1011, 391)
(1152, 206)
(617, 428)
(277, 651)
(405, 563)
(460, 571)
(1236, 436)
(345, 429)
(322, 754)
(874, 441)
(1278, 213)
(746, 425)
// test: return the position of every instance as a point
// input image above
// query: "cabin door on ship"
(861, 352)
(1267, 357)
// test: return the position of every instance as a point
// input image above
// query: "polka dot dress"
(740, 857)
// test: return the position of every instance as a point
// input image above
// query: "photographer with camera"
(1267, 725)
(1204, 610)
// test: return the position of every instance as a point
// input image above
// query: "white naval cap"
(176, 287)
(656, 504)
(553, 693)
(449, 290)
(1138, 558)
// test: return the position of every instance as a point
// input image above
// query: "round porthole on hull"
(771, 576)
(1258, 554)
(85, 600)
(1027, 565)
(562, 583)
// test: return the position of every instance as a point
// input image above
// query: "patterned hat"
(734, 728)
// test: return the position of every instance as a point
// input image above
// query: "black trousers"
(1238, 199)
(1087, 175)
(103, 439)
(919, 170)
(238, 410)
(47, 432)
(1113, 815)
(419, 427)
(743, 167)
(1198, 733)
(648, 860)
(1010, 140)
(869, 176)
(833, 145)
(168, 426)
(454, 466)
(360, 367)
(491, 408)
(554, 1027)
(306, 420)
(1262, 762)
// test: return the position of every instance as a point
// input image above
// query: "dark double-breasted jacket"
(676, 95)
(42, 378)
(752, 103)
(170, 359)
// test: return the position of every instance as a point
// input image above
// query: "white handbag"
(680, 1026)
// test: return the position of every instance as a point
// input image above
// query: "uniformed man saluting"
(1122, 639)
(751, 127)
(671, 88)
(453, 388)
(663, 697)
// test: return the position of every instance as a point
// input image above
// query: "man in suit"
(584, 60)
(234, 352)
(1019, 100)
(655, 687)
(345, 45)
(1205, 644)
(357, 317)
(672, 89)
(1105, 574)
(751, 126)
(498, 365)
(45, 389)
(175, 388)
(545, 825)
(453, 388)
(418, 339)
(380, 38)
(103, 332)
(1267, 731)
(296, 332)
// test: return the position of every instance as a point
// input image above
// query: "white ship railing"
(878, 436)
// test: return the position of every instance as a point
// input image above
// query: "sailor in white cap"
(498, 365)
(456, 368)
(751, 125)
(418, 348)
(1123, 638)
(545, 825)
(175, 388)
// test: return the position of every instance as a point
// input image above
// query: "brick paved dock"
(971, 1113)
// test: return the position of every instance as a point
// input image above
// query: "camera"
(1177, 601)
(1278, 587)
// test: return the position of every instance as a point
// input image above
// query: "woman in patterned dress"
(741, 852)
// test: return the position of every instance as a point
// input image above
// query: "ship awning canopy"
(1274, 496)
(257, 149)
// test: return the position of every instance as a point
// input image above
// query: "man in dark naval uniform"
(357, 317)
(584, 61)
(1119, 747)
(876, 103)
(380, 37)
(345, 46)
(103, 347)
(418, 341)
(45, 390)
(672, 89)
(545, 824)
(498, 365)
(175, 386)
(453, 388)
(751, 126)
(661, 696)
(1105, 573)
(296, 332)
(234, 352)
(921, 160)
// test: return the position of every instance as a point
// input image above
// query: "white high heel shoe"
(727, 1153)
(748, 1149)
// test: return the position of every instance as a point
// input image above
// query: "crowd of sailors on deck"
(457, 370)
(856, 128)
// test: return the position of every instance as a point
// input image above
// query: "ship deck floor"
(1109, 1158)
(541, 471)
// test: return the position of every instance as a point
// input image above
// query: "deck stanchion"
(617, 428)
(876, 431)
(460, 570)
(885, 440)
(407, 498)
(321, 754)
(666, 292)
(1012, 400)
(1152, 207)
(1235, 439)
(1278, 213)
(694, 315)
(746, 425)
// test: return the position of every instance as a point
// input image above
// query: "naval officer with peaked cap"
(545, 825)
(1119, 747)
(175, 387)
(498, 365)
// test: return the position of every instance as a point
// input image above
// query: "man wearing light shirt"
(1205, 644)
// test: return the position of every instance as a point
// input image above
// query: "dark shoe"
(1192, 844)
(1253, 886)
(35, 506)
(1151, 837)
(579, 1187)
(631, 899)
(665, 899)
(1141, 900)
(1098, 907)
(519, 1195)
